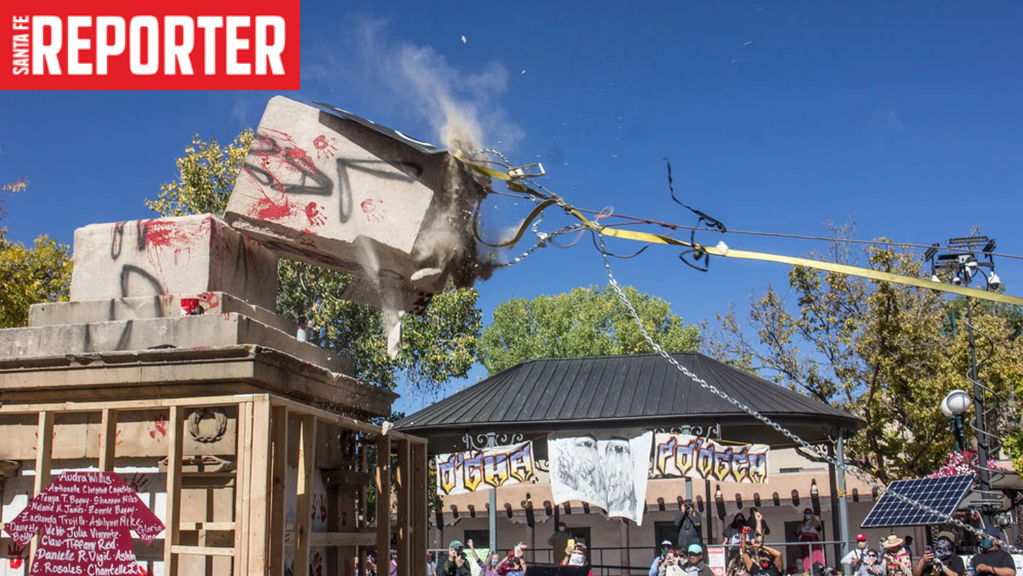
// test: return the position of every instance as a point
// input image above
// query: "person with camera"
(455, 563)
(871, 564)
(655, 566)
(689, 525)
(671, 565)
(940, 559)
(760, 559)
(855, 557)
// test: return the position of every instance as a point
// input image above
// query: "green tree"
(582, 322)
(29, 275)
(884, 352)
(439, 345)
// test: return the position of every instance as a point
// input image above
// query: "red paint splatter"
(14, 553)
(267, 209)
(117, 438)
(314, 212)
(142, 571)
(324, 147)
(212, 300)
(159, 428)
(53, 437)
(371, 209)
(317, 564)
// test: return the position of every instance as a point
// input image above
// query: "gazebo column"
(843, 505)
(623, 531)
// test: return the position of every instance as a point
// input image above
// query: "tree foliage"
(439, 345)
(29, 275)
(583, 322)
(884, 352)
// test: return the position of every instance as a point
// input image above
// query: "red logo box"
(180, 45)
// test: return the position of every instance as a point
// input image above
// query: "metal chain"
(777, 427)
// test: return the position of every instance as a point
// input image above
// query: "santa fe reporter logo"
(183, 45)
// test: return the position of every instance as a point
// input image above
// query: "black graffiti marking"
(128, 271)
(116, 241)
(265, 148)
(411, 170)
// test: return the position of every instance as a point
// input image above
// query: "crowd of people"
(748, 555)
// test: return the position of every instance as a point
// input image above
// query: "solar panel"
(942, 494)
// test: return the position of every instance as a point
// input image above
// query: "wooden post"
(404, 516)
(623, 531)
(383, 484)
(420, 527)
(44, 457)
(362, 513)
(259, 487)
(173, 515)
(243, 456)
(278, 490)
(303, 513)
(107, 439)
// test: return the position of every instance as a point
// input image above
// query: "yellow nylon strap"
(648, 237)
(816, 264)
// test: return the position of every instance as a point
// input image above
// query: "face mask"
(986, 543)
(561, 528)
(943, 549)
(807, 516)
(765, 564)
(576, 559)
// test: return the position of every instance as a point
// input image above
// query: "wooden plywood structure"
(251, 535)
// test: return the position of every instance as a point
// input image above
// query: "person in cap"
(992, 560)
(896, 558)
(760, 559)
(695, 566)
(672, 565)
(455, 563)
(940, 559)
(666, 546)
(854, 558)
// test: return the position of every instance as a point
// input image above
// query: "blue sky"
(777, 117)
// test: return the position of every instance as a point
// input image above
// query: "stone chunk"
(334, 190)
(185, 255)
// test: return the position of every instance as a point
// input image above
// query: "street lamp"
(954, 406)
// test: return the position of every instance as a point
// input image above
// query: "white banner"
(604, 469)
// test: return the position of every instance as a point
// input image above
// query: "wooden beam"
(341, 539)
(44, 458)
(259, 486)
(202, 551)
(107, 439)
(154, 404)
(383, 484)
(404, 516)
(303, 513)
(278, 487)
(175, 446)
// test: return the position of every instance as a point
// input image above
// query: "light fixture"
(993, 281)
(957, 402)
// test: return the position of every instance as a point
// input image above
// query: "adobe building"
(536, 398)
(170, 368)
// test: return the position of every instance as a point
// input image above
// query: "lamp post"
(954, 406)
(960, 264)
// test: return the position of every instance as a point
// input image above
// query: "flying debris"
(747, 43)
(464, 40)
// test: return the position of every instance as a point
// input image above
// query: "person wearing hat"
(940, 560)
(455, 563)
(992, 560)
(854, 558)
(896, 558)
(695, 565)
(672, 565)
(760, 559)
(666, 546)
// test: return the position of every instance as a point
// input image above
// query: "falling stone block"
(186, 255)
(329, 188)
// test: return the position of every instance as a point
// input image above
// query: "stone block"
(331, 189)
(186, 255)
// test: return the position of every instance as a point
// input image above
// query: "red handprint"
(14, 553)
(159, 428)
(138, 482)
(324, 147)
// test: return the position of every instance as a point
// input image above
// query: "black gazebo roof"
(636, 391)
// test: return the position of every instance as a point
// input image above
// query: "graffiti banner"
(461, 472)
(606, 470)
(685, 455)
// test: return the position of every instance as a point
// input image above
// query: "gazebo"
(537, 397)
